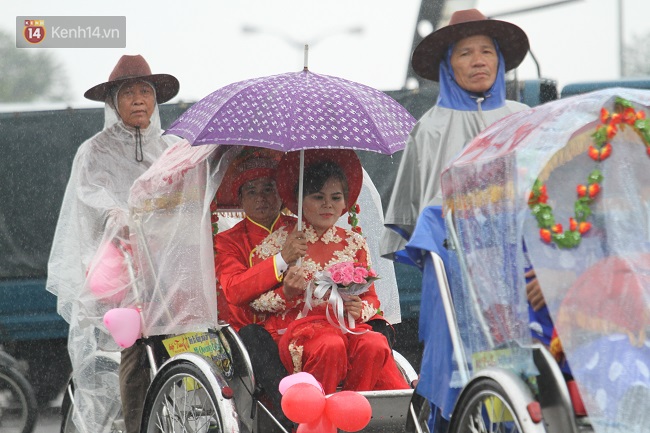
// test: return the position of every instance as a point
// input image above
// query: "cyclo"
(560, 189)
(202, 377)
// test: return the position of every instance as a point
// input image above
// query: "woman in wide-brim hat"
(95, 212)
(131, 74)
(134, 68)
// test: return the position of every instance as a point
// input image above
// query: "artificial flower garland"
(353, 220)
(552, 232)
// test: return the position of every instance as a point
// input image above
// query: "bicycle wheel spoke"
(183, 404)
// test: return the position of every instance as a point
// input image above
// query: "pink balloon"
(320, 425)
(303, 403)
(124, 325)
(301, 377)
(108, 274)
(348, 410)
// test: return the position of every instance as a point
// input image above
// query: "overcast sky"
(204, 46)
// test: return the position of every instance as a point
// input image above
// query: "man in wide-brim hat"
(469, 58)
(511, 40)
(94, 211)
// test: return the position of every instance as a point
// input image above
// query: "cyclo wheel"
(18, 406)
(181, 400)
(484, 407)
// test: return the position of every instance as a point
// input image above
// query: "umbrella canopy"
(569, 180)
(297, 110)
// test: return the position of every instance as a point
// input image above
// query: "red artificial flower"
(605, 151)
(629, 116)
(604, 115)
(582, 190)
(600, 154)
(612, 129)
(557, 228)
(647, 149)
(538, 196)
(584, 227)
(616, 119)
(356, 229)
(593, 189)
(349, 219)
(357, 208)
(573, 224)
(543, 197)
(640, 115)
(545, 234)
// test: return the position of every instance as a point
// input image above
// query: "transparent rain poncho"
(598, 293)
(95, 211)
(169, 270)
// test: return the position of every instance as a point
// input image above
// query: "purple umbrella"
(297, 111)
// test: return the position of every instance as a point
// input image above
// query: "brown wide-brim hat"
(130, 68)
(512, 40)
(289, 172)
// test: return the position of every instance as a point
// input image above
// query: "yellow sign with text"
(202, 343)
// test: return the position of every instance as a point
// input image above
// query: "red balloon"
(303, 403)
(320, 425)
(348, 410)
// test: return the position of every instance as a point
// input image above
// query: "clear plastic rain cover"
(598, 290)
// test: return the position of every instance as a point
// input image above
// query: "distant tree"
(636, 58)
(29, 75)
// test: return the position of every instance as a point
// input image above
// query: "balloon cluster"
(305, 403)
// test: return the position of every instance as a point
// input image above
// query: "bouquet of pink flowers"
(352, 278)
(336, 284)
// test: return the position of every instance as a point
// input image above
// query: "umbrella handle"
(300, 183)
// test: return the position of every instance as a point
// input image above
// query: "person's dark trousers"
(267, 366)
(383, 327)
(135, 377)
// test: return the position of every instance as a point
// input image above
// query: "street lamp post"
(291, 41)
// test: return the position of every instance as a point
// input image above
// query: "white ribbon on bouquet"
(337, 296)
